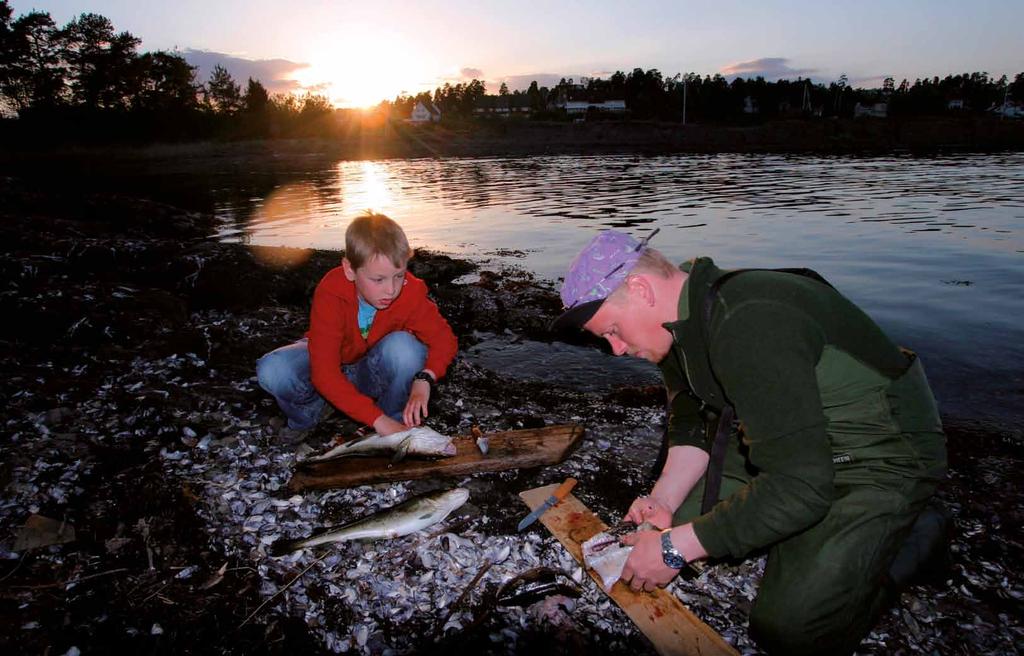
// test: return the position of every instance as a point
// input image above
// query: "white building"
(875, 110)
(573, 107)
(425, 113)
(1009, 109)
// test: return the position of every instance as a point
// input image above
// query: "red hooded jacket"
(335, 340)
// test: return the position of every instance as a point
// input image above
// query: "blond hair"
(374, 234)
(651, 262)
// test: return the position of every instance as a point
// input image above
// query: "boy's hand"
(385, 425)
(416, 407)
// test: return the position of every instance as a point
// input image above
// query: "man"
(838, 449)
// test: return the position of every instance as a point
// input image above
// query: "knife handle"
(564, 489)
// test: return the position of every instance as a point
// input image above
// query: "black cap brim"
(576, 316)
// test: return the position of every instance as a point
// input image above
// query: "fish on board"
(419, 441)
(407, 517)
(606, 555)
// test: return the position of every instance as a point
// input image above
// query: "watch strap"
(672, 557)
(422, 375)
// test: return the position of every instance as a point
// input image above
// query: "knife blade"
(562, 492)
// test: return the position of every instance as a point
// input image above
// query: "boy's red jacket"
(335, 340)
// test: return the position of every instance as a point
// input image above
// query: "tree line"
(712, 98)
(86, 81)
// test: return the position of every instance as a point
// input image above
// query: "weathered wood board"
(666, 622)
(531, 447)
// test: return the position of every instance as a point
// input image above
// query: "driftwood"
(666, 622)
(531, 447)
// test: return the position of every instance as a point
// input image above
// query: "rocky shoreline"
(133, 416)
(497, 138)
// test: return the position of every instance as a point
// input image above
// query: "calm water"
(933, 248)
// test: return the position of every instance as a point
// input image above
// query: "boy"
(376, 344)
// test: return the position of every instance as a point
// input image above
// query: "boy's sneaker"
(291, 436)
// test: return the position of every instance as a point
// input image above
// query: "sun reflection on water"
(370, 189)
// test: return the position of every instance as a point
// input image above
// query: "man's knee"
(403, 353)
(799, 622)
(784, 628)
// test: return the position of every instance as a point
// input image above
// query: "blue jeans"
(384, 374)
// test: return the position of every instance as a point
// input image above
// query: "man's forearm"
(683, 468)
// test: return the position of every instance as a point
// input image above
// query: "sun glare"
(362, 71)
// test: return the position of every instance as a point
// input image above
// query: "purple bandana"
(599, 268)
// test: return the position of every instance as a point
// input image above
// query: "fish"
(419, 441)
(606, 555)
(407, 517)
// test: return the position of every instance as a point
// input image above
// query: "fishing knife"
(562, 492)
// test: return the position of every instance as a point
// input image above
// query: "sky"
(358, 53)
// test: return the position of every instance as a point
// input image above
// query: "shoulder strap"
(719, 445)
(712, 295)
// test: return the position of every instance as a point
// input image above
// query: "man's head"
(622, 291)
(376, 255)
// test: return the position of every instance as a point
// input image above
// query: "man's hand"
(385, 425)
(649, 509)
(645, 569)
(416, 407)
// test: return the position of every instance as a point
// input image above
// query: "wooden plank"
(666, 622)
(531, 447)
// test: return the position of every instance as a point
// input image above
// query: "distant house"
(579, 107)
(425, 112)
(956, 104)
(1008, 109)
(502, 106)
(873, 110)
(750, 106)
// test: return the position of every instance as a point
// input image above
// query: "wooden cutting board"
(666, 622)
(530, 447)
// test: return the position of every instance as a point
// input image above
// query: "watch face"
(669, 553)
(675, 562)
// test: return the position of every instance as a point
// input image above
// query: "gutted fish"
(407, 517)
(420, 442)
(606, 555)
(534, 585)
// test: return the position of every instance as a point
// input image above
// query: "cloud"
(770, 68)
(471, 73)
(274, 74)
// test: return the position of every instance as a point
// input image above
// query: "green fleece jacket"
(818, 388)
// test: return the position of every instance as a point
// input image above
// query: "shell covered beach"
(137, 450)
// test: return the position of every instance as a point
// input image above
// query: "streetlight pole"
(684, 99)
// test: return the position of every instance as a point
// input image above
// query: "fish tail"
(284, 547)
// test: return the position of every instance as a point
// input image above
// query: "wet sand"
(133, 415)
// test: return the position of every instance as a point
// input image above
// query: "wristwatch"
(669, 553)
(422, 375)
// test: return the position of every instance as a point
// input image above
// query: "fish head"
(454, 498)
(426, 441)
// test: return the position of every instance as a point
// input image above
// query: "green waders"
(822, 588)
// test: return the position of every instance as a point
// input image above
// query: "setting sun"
(363, 71)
